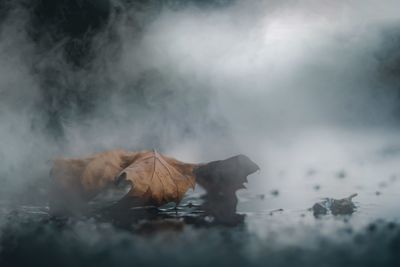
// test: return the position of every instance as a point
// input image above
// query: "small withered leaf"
(155, 178)
(158, 179)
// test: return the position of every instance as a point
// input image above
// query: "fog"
(295, 85)
(309, 90)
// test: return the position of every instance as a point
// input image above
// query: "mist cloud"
(196, 82)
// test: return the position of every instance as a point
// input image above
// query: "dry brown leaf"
(155, 178)
(159, 179)
(104, 167)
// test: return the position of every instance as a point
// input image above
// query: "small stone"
(275, 193)
(341, 174)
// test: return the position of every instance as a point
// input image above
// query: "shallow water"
(278, 229)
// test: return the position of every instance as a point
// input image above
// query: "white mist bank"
(204, 84)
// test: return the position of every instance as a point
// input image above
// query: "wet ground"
(278, 227)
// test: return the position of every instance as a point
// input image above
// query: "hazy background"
(299, 86)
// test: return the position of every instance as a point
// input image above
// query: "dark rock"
(275, 193)
(341, 174)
